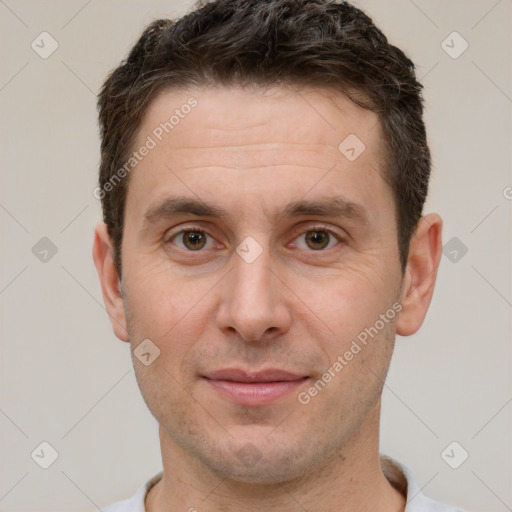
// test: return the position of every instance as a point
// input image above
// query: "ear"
(420, 275)
(102, 254)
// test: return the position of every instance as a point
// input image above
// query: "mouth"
(254, 388)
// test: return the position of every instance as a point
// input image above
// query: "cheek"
(357, 347)
(351, 301)
(359, 365)
(173, 322)
(163, 303)
(165, 394)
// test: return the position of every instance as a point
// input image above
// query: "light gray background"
(67, 380)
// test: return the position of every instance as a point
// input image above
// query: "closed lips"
(269, 375)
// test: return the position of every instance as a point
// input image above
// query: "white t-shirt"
(398, 475)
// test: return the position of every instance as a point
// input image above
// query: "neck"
(352, 480)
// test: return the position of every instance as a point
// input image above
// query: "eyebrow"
(336, 206)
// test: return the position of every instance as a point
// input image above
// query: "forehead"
(243, 116)
(276, 142)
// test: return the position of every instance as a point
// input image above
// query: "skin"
(296, 306)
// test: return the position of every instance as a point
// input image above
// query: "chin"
(265, 472)
(259, 462)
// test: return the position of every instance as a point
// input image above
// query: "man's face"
(261, 288)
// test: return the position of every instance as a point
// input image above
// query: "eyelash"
(318, 227)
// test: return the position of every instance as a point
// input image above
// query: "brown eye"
(190, 240)
(317, 239)
(194, 239)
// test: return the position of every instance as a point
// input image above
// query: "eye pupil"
(317, 237)
(195, 238)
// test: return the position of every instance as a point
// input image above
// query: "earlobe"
(420, 275)
(110, 285)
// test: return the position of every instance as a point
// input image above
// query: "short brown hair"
(316, 43)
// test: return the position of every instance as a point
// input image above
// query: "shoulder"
(136, 502)
(127, 505)
(402, 478)
(428, 505)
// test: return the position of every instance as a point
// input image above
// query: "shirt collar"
(397, 474)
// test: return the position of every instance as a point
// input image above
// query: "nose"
(253, 302)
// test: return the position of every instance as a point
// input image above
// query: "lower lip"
(259, 393)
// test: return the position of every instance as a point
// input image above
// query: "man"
(264, 167)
